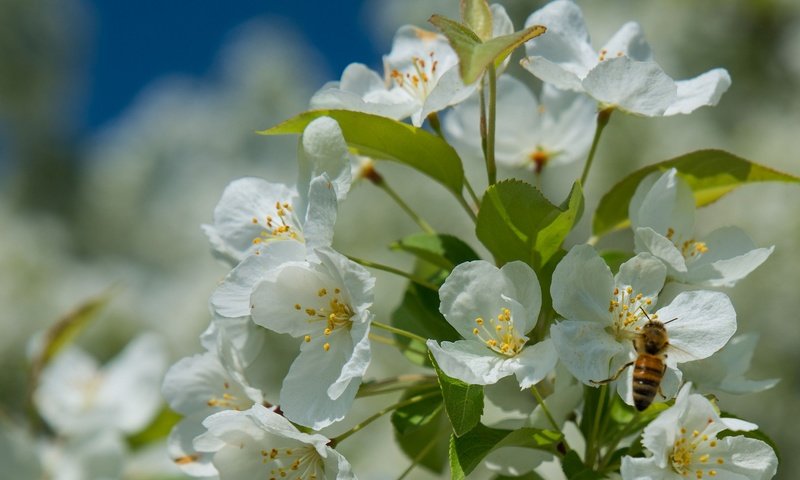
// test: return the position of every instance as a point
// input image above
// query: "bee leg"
(616, 375)
(663, 371)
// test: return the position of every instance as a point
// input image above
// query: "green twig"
(419, 457)
(386, 268)
(425, 226)
(380, 413)
(602, 121)
(399, 331)
(491, 167)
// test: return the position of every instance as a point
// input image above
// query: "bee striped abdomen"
(647, 374)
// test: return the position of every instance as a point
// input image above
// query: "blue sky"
(136, 42)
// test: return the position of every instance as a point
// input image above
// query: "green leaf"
(478, 17)
(385, 139)
(574, 468)
(416, 415)
(467, 451)
(428, 442)
(419, 313)
(516, 222)
(158, 429)
(443, 251)
(710, 173)
(462, 402)
(615, 258)
(474, 55)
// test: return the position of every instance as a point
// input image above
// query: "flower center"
(628, 311)
(500, 334)
(539, 157)
(229, 401)
(301, 463)
(280, 226)
(690, 249)
(686, 458)
(332, 315)
(418, 79)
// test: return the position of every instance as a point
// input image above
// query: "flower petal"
(629, 41)
(587, 350)
(321, 213)
(664, 202)
(639, 468)
(644, 273)
(232, 297)
(703, 90)
(635, 87)
(647, 240)
(564, 53)
(323, 151)
(470, 362)
(304, 396)
(746, 457)
(535, 362)
(704, 322)
(582, 286)
(731, 256)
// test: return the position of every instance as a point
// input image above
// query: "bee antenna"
(670, 320)
(648, 316)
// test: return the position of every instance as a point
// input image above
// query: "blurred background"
(122, 122)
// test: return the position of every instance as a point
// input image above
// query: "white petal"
(321, 213)
(705, 321)
(449, 90)
(336, 466)
(664, 204)
(478, 289)
(644, 273)
(355, 367)
(394, 103)
(644, 469)
(568, 124)
(635, 87)
(731, 256)
(565, 46)
(246, 336)
(132, 380)
(304, 397)
(181, 449)
(738, 425)
(630, 42)
(587, 350)
(324, 151)
(232, 297)
(553, 73)
(360, 79)
(647, 240)
(501, 22)
(745, 458)
(61, 394)
(703, 90)
(244, 200)
(274, 300)
(471, 362)
(535, 362)
(358, 282)
(582, 286)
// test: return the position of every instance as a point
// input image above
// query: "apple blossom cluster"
(519, 343)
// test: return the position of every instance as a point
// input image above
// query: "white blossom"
(493, 309)
(621, 75)
(325, 302)
(662, 213)
(259, 443)
(683, 442)
(603, 313)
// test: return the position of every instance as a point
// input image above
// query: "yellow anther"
(712, 443)
(326, 346)
(629, 290)
(704, 458)
(336, 290)
(475, 330)
(307, 338)
(310, 312)
(297, 306)
(712, 473)
(327, 331)
(720, 461)
(695, 434)
(479, 321)
(498, 328)
(255, 220)
(322, 292)
(257, 240)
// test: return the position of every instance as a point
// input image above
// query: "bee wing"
(676, 354)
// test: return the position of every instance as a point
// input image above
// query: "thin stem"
(593, 440)
(467, 208)
(602, 121)
(471, 192)
(386, 268)
(482, 124)
(419, 457)
(433, 119)
(425, 226)
(399, 331)
(400, 382)
(546, 410)
(491, 167)
(380, 413)
(382, 339)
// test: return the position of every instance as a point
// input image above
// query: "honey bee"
(648, 369)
